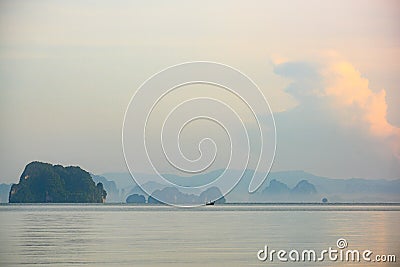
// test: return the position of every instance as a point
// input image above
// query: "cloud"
(349, 91)
(333, 96)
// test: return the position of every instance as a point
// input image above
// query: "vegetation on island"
(46, 183)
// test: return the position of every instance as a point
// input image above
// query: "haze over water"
(225, 235)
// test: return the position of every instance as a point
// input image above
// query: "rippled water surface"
(226, 235)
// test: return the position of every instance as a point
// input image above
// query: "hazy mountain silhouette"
(172, 195)
(337, 190)
(135, 198)
(276, 187)
(304, 188)
(113, 194)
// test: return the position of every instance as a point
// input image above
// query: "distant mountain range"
(113, 193)
(284, 186)
(344, 190)
(173, 196)
(277, 188)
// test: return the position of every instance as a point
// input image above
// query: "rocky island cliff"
(46, 183)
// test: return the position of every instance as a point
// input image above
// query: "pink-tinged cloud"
(357, 103)
(338, 110)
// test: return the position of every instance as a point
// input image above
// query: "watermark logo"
(341, 243)
(138, 136)
(341, 254)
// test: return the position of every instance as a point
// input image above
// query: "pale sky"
(329, 69)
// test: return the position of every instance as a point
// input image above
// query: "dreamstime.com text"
(341, 253)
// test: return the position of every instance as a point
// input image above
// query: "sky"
(329, 70)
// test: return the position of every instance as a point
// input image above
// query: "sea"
(219, 235)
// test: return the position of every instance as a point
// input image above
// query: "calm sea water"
(226, 235)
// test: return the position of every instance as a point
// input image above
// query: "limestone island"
(46, 183)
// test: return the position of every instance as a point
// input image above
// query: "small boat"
(210, 203)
